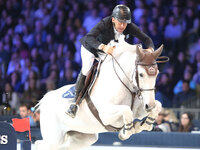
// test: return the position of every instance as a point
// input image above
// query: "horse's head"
(146, 74)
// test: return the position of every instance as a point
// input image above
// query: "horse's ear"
(140, 52)
(158, 51)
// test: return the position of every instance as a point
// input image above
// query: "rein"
(133, 94)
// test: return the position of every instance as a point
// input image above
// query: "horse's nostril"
(147, 107)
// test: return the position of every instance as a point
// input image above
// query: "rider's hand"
(108, 49)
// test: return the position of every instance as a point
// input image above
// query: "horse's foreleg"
(147, 124)
(114, 113)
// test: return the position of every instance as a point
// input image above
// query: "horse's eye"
(141, 75)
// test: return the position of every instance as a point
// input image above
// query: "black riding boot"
(79, 85)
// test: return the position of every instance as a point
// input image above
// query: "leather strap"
(96, 114)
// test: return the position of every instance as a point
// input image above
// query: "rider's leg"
(87, 62)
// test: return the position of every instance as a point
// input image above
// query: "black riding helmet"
(122, 13)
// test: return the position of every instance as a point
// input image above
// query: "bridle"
(137, 88)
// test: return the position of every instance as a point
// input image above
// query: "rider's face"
(119, 26)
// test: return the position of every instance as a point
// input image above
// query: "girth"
(96, 114)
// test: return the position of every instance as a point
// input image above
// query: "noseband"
(151, 70)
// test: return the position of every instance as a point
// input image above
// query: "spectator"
(4, 59)
(196, 78)
(28, 13)
(9, 23)
(155, 14)
(160, 124)
(155, 35)
(53, 61)
(36, 61)
(173, 34)
(196, 61)
(191, 25)
(61, 50)
(15, 60)
(187, 76)
(27, 68)
(32, 76)
(36, 118)
(49, 45)
(50, 85)
(21, 24)
(186, 124)
(164, 91)
(10, 97)
(32, 94)
(67, 78)
(177, 13)
(91, 20)
(8, 42)
(179, 64)
(162, 22)
(58, 34)
(39, 13)
(39, 30)
(171, 118)
(77, 56)
(15, 80)
(59, 18)
(25, 112)
(184, 96)
(4, 15)
(28, 37)
(2, 86)
(193, 49)
(138, 11)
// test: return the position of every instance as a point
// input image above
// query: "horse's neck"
(108, 83)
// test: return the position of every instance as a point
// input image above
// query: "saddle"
(87, 85)
(90, 79)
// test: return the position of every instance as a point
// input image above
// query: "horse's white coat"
(111, 98)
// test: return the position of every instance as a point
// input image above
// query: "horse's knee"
(127, 115)
(156, 110)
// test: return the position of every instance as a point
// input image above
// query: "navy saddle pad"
(70, 93)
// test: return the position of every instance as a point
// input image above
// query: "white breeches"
(87, 60)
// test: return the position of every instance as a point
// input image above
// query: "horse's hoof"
(120, 137)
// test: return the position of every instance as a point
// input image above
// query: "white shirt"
(117, 34)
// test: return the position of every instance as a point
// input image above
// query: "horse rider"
(109, 28)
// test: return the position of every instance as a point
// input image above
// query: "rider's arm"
(144, 38)
(91, 37)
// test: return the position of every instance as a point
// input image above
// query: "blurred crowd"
(40, 48)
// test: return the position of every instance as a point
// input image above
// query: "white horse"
(126, 77)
